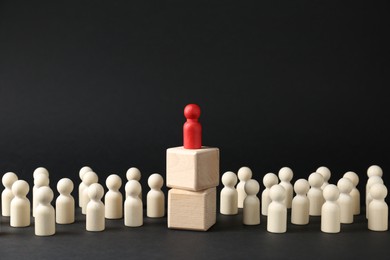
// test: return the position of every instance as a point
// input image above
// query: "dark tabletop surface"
(227, 239)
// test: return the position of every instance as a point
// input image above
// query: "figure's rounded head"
(8, 179)
(95, 191)
(41, 180)
(374, 170)
(192, 111)
(20, 188)
(378, 191)
(45, 195)
(65, 186)
(285, 174)
(90, 177)
(374, 180)
(229, 179)
(40, 170)
(133, 188)
(331, 192)
(277, 193)
(325, 172)
(352, 176)
(301, 186)
(270, 179)
(133, 173)
(113, 182)
(155, 181)
(345, 185)
(244, 173)
(251, 187)
(316, 180)
(83, 171)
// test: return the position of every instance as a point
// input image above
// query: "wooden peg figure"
(82, 171)
(277, 210)
(345, 201)
(251, 210)
(192, 129)
(65, 204)
(315, 194)
(370, 182)
(325, 172)
(113, 200)
(269, 180)
(133, 205)
(155, 199)
(244, 175)
(8, 180)
(44, 213)
(95, 220)
(134, 173)
(330, 211)
(300, 203)
(228, 195)
(20, 205)
(378, 210)
(355, 194)
(373, 170)
(40, 180)
(88, 179)
(285, 175)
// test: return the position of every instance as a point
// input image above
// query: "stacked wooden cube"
(192, 175)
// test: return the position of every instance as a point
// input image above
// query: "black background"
(104, 83)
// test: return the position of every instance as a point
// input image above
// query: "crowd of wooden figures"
(335, 204)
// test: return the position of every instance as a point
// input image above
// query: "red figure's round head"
(192, 111)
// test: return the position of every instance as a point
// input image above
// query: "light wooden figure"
(82, 171)
(270, 179)
(251, 210)
(192, 210)
(89, 178)
(155, 199)
(330, 212)
(378, 219)
(300, 204)
(134, 173)
(277, 210)
(133, 205)
(244, 174)
(325, 172)
(65, 204)
(315, 194)
(192, 169)
(355, 194)
(95, 220)
(40, 180)
(8, 180)
(371, 181)
(113, 200)
(44, 213)
(345, 201)
(228, 195)
(20, 205)
(373, 170)
(285, 175)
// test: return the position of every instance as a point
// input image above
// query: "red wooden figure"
(192, 129)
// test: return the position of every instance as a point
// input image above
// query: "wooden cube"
(192, 210)
(192, 169)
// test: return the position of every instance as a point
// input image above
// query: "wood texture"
(192, 210)
(192, 169)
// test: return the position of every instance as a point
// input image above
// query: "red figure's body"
(192, 129)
